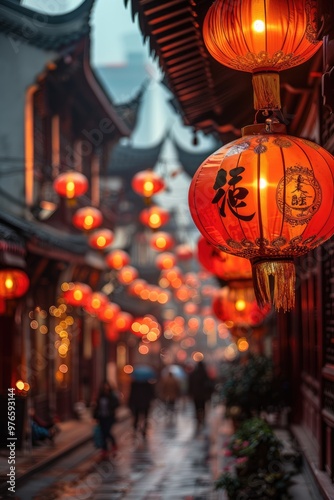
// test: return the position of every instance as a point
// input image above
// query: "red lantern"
(116, 259)
(77, 294)
(96, 302)
(165, 260)
(127, 274)
(108, 312)
(184, 252)
(13, 283)
(87, 218)
(101, 239)
(221, 264)
(147, 183)
(137, 286)
(161, 241)
(240, 312)
(70, 185)
(123, 321)
(154, 217)
(263, 38)
(267, 197)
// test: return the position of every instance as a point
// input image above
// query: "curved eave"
(49, 32)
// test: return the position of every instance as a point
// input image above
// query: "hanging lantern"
(13, 283)
(87, 218)
(267, 197)
(161, 241)
(224, 266)
(127, 274)
(123, 321)
(116, 259)
(137, 286)
(240, 312)
(70, 185)
(154, 217)
(262, 37)
(147, 183)
(165, 260)
(96, 301)
(184, 252)
(108, 312)
(76, 294)
(101, 239)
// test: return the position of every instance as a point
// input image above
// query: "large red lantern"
(161, 241)
(240, 312)
(87, 218)
(77, 294)
(13, 283)
(224, 266)
(267, 197)
(154, 217)
(261, 37)
(101, 239)
(147, 183)
(70, 185)
(116, 259)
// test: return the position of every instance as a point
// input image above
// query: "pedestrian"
(142, 393)
(104, 414)
(200, 389)
(170, 391)
(41, 429)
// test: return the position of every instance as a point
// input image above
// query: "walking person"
(170, 391)
(142, 393)
(200, 389)
(104, 414)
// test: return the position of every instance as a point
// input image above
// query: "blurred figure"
(200, 389)
(142, 393)
(170, 391)
(104, 414)
(41, 429)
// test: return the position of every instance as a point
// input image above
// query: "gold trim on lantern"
(284, 278)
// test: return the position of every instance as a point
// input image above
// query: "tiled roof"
(46, 31)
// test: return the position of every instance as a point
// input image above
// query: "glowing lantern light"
(101, 238)
(87, 218)
(263, 38)
(77, 294)
(240, 311)
(154, 217)
(137, 286)
(116, 259)
(269, 225)
(123, 321)
(70, 185)
(161, 241)
(165, 260)
(108, 312)
(127, 274)
(96, 302)
(13, 283)
(147, 183)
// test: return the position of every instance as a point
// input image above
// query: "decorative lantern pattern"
(13, 283)
(77, 294)
(267, 197)
(261, 37)
(154, 217)
(101, 239)
(87, 218)
(70, 185)
(116, 259)
(147, 183)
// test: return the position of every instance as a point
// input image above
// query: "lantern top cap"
(269, 127)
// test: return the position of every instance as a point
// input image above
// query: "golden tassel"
(266, 88)
(283, 272)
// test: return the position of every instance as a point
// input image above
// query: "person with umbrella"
(142, 393)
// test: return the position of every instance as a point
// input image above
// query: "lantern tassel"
(284, 276)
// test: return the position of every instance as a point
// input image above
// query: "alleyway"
(172, 463)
